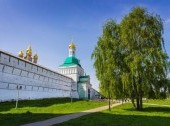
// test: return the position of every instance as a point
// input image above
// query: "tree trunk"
(133, 102)
(140, 98)
(141, 103)
(140, 94)
(136, 95)
(122, 101)
(137, 103)
(109, 100)
(133, 98)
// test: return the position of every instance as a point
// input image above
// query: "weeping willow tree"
(130, 58)
(107, 60)
(141, 34)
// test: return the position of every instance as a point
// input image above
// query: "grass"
(160, 102)
(125, 115)
(36, 110)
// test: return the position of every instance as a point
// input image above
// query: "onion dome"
(35, 56)
(29, 51)
(72, 46)
(21, 54)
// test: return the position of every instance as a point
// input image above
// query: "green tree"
(130, 58)
(104, 56)
(141, 33)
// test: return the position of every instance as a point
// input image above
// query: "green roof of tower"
(70, 61)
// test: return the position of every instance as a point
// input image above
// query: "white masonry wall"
(34, 80)
(72, 72)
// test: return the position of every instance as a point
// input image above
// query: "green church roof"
(70, 61)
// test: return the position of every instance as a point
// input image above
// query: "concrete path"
(64, 118)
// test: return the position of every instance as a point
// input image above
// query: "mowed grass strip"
(160, 102)
(125, 115)
(36, 110)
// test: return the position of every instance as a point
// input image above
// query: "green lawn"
(125, 115)
(160, 102)
(35, 110)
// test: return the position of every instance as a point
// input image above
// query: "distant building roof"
(83, 79)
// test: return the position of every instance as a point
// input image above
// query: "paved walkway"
(64, 118)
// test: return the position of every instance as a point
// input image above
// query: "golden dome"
(29, 51)
(72, 46)
(35, 56)
(21, 54)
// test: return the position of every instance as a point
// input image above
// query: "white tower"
(72, 68)
(72, 49)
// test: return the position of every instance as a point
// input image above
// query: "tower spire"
(72, 49)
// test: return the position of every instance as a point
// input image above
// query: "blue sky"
(49, 26)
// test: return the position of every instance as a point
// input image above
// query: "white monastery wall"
(34, 81)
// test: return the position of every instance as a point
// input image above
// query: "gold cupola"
(72, 46)
(35, 58)
(21, 54)
(29, 51)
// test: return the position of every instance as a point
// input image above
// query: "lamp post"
(17, 99)
(71, 91)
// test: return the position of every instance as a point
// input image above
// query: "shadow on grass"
(150, 116)
(5, 106)
(152, 109)
(108, 119)
(24, 118)
(95, 119)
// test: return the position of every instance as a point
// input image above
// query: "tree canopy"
(130, 59)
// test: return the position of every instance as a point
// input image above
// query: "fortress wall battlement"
(31, 80)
